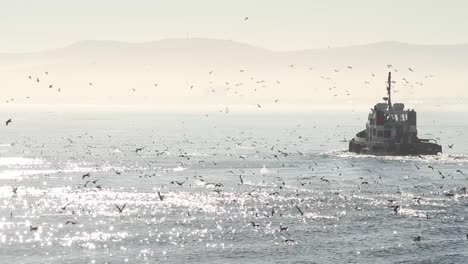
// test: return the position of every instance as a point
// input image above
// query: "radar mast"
(389, 90)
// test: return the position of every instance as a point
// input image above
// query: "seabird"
(300, 211)
(121, 208)
(138, 150)
(161, 197)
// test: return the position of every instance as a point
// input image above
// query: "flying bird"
(138, 150)
(300, 211)
(255, 224)
(161, 197)
(241, 179)
(121, 208)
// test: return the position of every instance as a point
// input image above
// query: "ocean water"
(225, 188)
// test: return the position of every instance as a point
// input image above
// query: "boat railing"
(429, 140)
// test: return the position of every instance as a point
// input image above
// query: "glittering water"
(225, 188)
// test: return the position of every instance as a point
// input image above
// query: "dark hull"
(394, 149)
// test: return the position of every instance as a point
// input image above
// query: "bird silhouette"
(300, 211)
(121, 208)
(8, 122)
(138, 150)
(161, 197)
(241, 179)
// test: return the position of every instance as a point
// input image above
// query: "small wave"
(264, 170)
(441, 158)
(178, 169)
(9, 161)
(14, 174)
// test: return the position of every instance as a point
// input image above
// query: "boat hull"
(394, 149)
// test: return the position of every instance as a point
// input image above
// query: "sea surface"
(225, 188)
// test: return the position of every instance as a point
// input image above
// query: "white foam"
(14, 174)
(264, 170)
(179, 169)
(9, 161)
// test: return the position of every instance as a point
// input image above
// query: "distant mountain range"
(214, 51)
(229, 72)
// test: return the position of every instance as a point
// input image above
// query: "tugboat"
(391, 131)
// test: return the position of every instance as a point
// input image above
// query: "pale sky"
(33, 25)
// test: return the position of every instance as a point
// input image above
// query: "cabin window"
(380, 118)
(380, 133)
(387, 134)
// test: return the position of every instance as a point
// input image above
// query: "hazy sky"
(30, 25)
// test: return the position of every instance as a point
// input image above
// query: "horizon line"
(76, 43)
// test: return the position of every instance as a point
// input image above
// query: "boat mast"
(389, 90)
